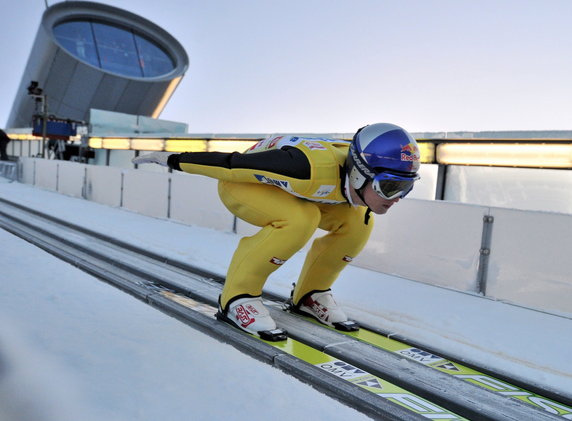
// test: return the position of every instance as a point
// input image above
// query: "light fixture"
(22, 136)
(537, 155)
(147, 144)
(95, 142)
(427, 151)
(186, 145)
(116, 143)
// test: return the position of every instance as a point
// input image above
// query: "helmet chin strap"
(367, 215)
(360, 194)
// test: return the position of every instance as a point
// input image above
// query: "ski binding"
(274, 335)
(347, 326)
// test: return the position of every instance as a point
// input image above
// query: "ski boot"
(250, 315)
(321, 306)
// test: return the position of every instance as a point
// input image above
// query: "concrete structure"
(89, 55)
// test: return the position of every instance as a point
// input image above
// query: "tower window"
(113, 48)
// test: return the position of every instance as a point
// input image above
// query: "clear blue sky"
(333, 66)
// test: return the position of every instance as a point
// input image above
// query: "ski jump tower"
(89, 55)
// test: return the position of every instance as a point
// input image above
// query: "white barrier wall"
(531, 259)
(429, 241)
(46, 174)
(435, 242)
(27, 172)
(146, 193)
(195, 201)
(104, 185)
(71, 178)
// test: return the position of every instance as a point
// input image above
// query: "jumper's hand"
(153, 158)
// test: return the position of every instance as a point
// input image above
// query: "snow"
(73, 348)
(106, 354)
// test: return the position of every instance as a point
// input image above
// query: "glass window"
(117, 52)
(113, 48)
(77, 38)
(154, 61)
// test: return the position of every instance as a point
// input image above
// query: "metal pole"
(441, 182)
(484, 255)
(44, 123)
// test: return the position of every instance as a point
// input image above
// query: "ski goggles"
(389, 186)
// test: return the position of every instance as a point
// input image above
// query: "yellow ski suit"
(289, 186)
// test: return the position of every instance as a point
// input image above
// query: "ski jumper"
(289, 186)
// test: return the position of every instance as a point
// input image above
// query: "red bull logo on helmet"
(410, 152)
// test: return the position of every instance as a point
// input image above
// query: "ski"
(444, 365)
(335, 367)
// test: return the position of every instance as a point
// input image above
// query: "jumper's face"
(376, 203)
